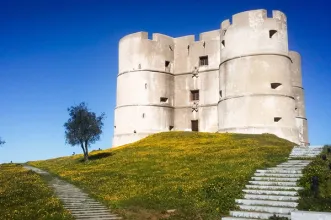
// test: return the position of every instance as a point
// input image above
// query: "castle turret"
(256, 93)
(145, 85)
(298, 91)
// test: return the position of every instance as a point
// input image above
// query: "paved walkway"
(81, 206)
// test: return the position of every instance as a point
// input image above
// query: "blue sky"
(54, 54)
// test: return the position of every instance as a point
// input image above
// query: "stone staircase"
(81, 206)
(274, 191)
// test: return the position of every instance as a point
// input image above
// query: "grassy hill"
(25, 196)
(197, 174)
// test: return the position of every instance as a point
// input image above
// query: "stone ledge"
(305, 215)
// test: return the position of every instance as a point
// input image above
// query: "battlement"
(144, 36)
(253, 17)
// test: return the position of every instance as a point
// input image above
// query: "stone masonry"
(240, 78)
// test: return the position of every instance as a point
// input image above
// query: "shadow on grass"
(98, 156)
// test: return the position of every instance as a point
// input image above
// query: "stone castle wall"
(252, 83)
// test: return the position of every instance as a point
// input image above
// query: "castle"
(241, 78)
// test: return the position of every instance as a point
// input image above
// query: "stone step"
(272, 183)
(237, 218)
(279, 171)
(271, 192)
(271, 197)
(252, 202)
(97, 217)
(291, 165)
(93, 215)
(281, 179)
(256, 215)
(298, 161)
(284, 175)
(273, 187)
(287, 168)
(269, 209)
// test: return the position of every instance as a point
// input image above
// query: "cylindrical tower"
(256, 93)
(144, 102)
(298, 91)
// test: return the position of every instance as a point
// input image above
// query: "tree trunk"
(86, 151)
(82, 146)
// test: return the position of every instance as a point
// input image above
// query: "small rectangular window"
(277, 119)
(195, 125)
(272, 33)
(275, 85)
(203, 61)
(167, 66)
(163, 99)
(223, 44)
(194, 95)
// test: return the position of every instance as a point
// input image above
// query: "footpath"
(81, 206)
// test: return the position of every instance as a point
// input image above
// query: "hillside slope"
(24, 195)
(198, 174)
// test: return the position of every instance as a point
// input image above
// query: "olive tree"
(2, 142)
(83, 127)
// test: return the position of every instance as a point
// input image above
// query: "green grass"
(198, 174)
(320, 202)
(25, 196)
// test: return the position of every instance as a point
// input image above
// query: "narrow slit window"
(195, 125)
(194, 95)
(163, 99)
(275, 85)
(224, 32)
(171, 127)
(145, 85)
(188, 49)
(223, 44)
(203, 61)
(272, 33)
(221, 93)
(277, 119)
(143, 115)
(167, 66)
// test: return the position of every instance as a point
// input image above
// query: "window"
(223, 44)
(195, 125)
(277, 119)
(167, 66)
(220, 93)
(143, 115)
(145, 85)
(272, 33)
(163, 99)
(203, 61)
(194, 95)
(275, 85)
(171, 127)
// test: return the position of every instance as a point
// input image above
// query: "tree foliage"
(83, 127)
(2, 142)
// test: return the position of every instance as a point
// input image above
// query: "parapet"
(210, 35)
(253, 18)
(144, 35)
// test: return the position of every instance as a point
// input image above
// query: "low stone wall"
(305, 215)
